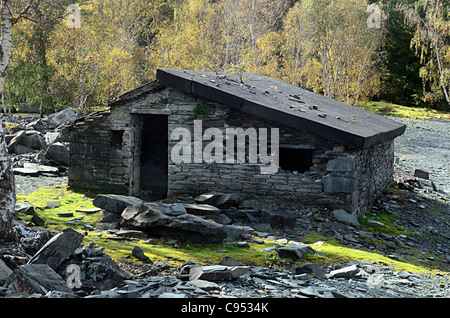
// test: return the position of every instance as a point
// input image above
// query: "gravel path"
(425, 145)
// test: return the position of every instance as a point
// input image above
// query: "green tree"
(30, 75)
(401, 83)
(431, 41)
(331, 48)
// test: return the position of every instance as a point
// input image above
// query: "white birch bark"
(7, 186)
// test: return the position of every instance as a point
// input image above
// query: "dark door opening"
(154, 157)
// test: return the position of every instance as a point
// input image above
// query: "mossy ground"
(403, 111)
(329, 252)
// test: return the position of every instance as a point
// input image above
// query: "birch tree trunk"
(7, 186)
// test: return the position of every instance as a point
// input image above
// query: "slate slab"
(115, 203)
(58, 248)
(297, 251)
(40, 278)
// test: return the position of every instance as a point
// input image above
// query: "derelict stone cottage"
(194, 132)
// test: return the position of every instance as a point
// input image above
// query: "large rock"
(58, 152)
(40, 278)
(115, 203)
(346, 218)
(295, 251)
(278, 219)
(33, 139)
(152, 218)
(5, 272)
(60, 118)
(58, 248)
(15, 140)
(204, 210)
(217, 272)
(346, 272)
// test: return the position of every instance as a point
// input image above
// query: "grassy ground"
(329, 250)
(403, 111)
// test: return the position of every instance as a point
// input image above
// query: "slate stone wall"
(340, 177)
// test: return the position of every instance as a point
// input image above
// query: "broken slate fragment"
(346, 272)
(53, 204)
(40, 278)
(217, 272)
(296, 251)
(58, 248)
(346, 218)
(139, 254)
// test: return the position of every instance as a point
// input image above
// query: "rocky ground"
(419, 206)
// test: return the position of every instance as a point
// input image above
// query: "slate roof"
(288, 105)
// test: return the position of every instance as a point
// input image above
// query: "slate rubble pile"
(37, 264)
(35, 144)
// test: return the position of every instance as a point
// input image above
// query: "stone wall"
(340, 177)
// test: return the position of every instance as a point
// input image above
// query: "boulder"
(58, 248)
(278, 219)
(139, 254)
(15, 140)
(60, 118)
(115, 203)
(296, 251)
(5, 272)
(33, 139)
(22, 150)
(58, 152)
(153, 219)
(346, 218)
(313, 269)
(203, 210)
(40, 278)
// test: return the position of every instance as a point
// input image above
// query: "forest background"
(83, 54)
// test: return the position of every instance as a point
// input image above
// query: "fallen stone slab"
(312, 269)
(60, 118)
(204, 210)
(115, 203)
(153, 219)
(296, 251)
(5, 272)
(345, 217)
(53, 204)
(217, 272)
(220, 200)
(278, 219)
(40, 278)
(89, 211)
(346, 272)
(24, 208)
(15, 140)
(58, 248)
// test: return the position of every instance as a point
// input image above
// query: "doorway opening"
(154, 157)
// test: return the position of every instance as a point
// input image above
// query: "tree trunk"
(7, 187)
